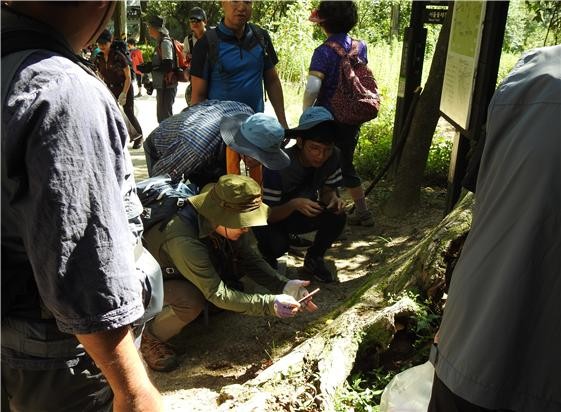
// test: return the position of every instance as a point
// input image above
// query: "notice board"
(461, 61)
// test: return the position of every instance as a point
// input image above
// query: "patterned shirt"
(280, 186)
(190, 141)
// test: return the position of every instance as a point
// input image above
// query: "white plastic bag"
(409, 391)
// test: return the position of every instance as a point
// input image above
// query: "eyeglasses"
(193, 20)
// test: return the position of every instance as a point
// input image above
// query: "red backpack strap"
(337, 47)
(354, 47)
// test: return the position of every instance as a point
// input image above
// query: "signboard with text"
(461, 61)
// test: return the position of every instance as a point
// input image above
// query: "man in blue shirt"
(232, 62)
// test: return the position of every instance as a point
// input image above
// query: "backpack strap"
(190, 42)
(213, 40)
(259, 34)
(340, 50)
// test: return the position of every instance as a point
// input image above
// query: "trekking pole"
(399, 146)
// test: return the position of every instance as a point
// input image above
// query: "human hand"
(336, 205)
(306, 206)
(296, 288)
(285, 306)
(122, 98)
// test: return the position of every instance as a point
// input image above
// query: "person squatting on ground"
(197, 25)
(499, 340)
(303, 196)
(113, 67)
(337, 18)
(136, 59)
(234, 60)
(193, 143)
(69, 285)
(207, 246)
(162, 68)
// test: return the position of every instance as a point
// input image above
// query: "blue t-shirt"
(238, 74)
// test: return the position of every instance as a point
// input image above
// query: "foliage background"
(530, 24)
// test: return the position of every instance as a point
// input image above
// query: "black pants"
(346, 141)
(273, 239)
(80, 388)
(164, 102)
(128, 108)
(444, 400)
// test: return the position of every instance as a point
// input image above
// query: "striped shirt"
(190, 141)
(280, 186)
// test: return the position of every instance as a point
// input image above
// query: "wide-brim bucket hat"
(258, 136)
(158, 23)
(234, 202)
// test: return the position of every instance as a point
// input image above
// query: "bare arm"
(127, 84)
(199, 89)
(115, 354)
(274, 90)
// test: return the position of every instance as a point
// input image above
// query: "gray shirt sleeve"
(63, 137)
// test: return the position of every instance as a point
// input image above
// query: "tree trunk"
(120, 21)
(309, 376)
(409, 176)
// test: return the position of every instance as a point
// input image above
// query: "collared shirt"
(238, 75)
(326, 60)
(501, 331)
(64, 170)
(280, 186)
(182, 245)
(190, 142)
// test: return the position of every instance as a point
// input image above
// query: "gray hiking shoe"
(360, 218)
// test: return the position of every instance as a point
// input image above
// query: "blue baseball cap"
(313, 116)
(316, 123)
(259, 136)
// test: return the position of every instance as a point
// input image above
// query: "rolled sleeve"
(73, 222)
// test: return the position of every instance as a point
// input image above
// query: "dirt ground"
(229, 348)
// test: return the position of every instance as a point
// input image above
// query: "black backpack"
(213, 42)
(162, 197)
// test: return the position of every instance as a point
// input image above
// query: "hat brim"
(230, 131)
(209, 206)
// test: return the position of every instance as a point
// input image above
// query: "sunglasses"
(193, 20)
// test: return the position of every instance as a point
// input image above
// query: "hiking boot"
(315, 265)
(298, 242)
(360, 218)
(159, 356)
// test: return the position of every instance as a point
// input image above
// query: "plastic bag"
(409, 391)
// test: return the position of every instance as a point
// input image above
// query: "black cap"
(197, 13)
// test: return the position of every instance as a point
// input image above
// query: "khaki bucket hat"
(234, 202)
